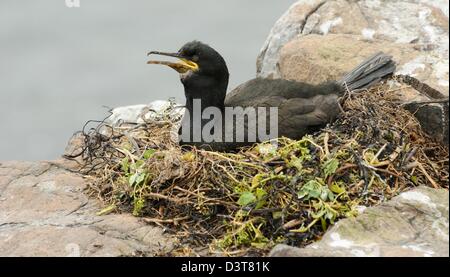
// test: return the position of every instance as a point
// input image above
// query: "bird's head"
(202, 69)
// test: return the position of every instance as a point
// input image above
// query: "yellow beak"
(183, 66)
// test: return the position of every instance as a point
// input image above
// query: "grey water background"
(59, 66)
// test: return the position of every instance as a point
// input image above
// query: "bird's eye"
(195, 58)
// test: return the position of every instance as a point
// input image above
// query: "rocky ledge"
(44, 211)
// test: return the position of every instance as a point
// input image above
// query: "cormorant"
(302, 108)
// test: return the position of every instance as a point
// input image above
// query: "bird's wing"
(302, 108)
(259, 89)
(300, 116)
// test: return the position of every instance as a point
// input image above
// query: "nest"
(243, 203)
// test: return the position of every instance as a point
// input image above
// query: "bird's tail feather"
(369, 72)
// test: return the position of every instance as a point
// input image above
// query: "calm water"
(60, 66)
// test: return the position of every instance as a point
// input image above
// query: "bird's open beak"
(183, 66)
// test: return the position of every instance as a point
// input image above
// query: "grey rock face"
(413, 224)
(288, 27)
(418, 28)
(433, 119)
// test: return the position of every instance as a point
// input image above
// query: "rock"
(413, 224)
(289, 26)
(75, 145)
(433, 119)
(139, 113)
(415, 32)
(45, 212)
(316, 58)
(130, 113)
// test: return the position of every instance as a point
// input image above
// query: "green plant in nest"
(244, 233)
(137, 178)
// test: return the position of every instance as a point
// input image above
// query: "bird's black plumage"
(302, 108)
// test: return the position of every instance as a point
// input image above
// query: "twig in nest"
(291, 224)
(378, 153)
(325, 143)
(174, 221)
(362, 169)
(168, 198)
(433, 183)
(343, 168)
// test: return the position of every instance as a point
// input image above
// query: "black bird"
(302, 108)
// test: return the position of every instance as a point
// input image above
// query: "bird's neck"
(202, 103)
(213, 97)
(202, 93)
(193, 120)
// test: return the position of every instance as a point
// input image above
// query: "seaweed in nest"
(243, 203)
